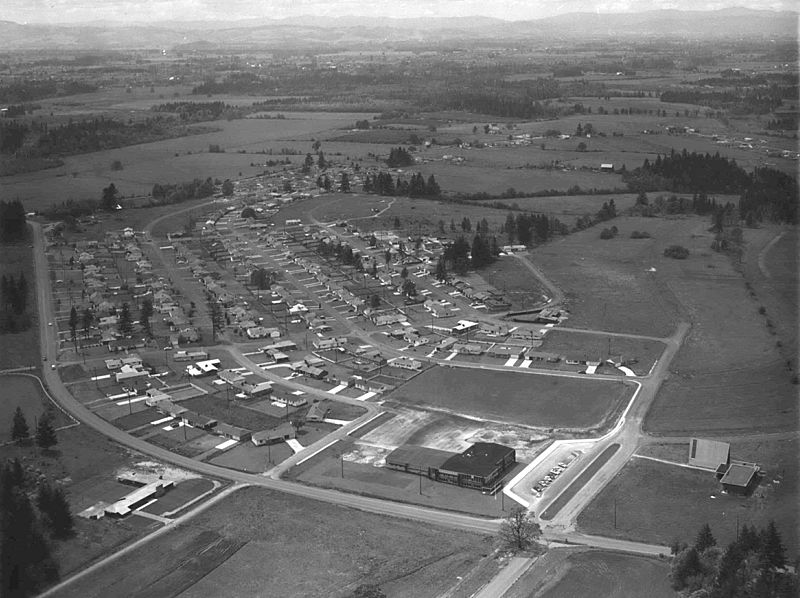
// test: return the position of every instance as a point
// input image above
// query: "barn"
(740, 478)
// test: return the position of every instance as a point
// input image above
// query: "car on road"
(49, 323)
(52, 366)
(44, 357)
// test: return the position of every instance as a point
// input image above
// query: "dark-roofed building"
(197, 420)
(740, 478)
(418, 459)
(481, 466)
(232, 432)
(282, 433)
(709, 454)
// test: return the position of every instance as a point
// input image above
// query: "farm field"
(685, 499)
(571, 573)
(526, 399)
(228, 544)
(173, 160)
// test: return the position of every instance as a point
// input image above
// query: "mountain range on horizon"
(348, 30)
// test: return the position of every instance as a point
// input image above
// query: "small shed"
(740, 478)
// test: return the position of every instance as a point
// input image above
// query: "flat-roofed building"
(709, 454)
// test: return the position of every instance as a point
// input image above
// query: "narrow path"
(762, 255)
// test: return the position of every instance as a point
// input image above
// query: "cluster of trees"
(12, 136)
(45, 437)
(261, 279)
(26, 562)
(200, 111)
(676, 252)
(17, 92)
(752, 566)
(362, 124)
(530, 229)
(751, 101)
(766, 194)
(383, 183)
(14, 316)
(12, 221)
(609, 233)
(399, 157)
(195, 189)
(103, 133)
(688, 173)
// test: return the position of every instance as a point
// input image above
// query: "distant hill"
(317, 31)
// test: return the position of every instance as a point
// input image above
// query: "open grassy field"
(657, 502)
(172, 160)
(26, 392)
(573, 573)
(611, 285)
(20, 348)
(597, 346)
(224, 551)
(720, 381)
(527, 399)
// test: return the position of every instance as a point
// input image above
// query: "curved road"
(49, 344)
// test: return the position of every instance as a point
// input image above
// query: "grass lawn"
(604, 347)
(223, 551)
(596, 573)
(681, 498)
(528, 399)
(217, 407)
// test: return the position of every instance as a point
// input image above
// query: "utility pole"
(342, 460)
(615, 513)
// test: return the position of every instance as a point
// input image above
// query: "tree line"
(29, 529)
(14, 315)
(12, 221)
(383, 183)
(765, 194)
(752, 566)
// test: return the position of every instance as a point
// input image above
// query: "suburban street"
(561, 529)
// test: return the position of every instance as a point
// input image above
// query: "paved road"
(506, 578)
(422, 514)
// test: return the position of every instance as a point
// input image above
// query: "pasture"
(684, 499)
(525, 399)
(223, 550)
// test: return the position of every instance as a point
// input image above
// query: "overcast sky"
(72, 11)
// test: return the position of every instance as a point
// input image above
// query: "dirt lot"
(569, 573)
(527, 399)
(223, 551)
(685, 499)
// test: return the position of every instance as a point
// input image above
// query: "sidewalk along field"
(624, 284)
(223, 551)
(659, 503)
(526, 399)
(26, 392)
(598, 573)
